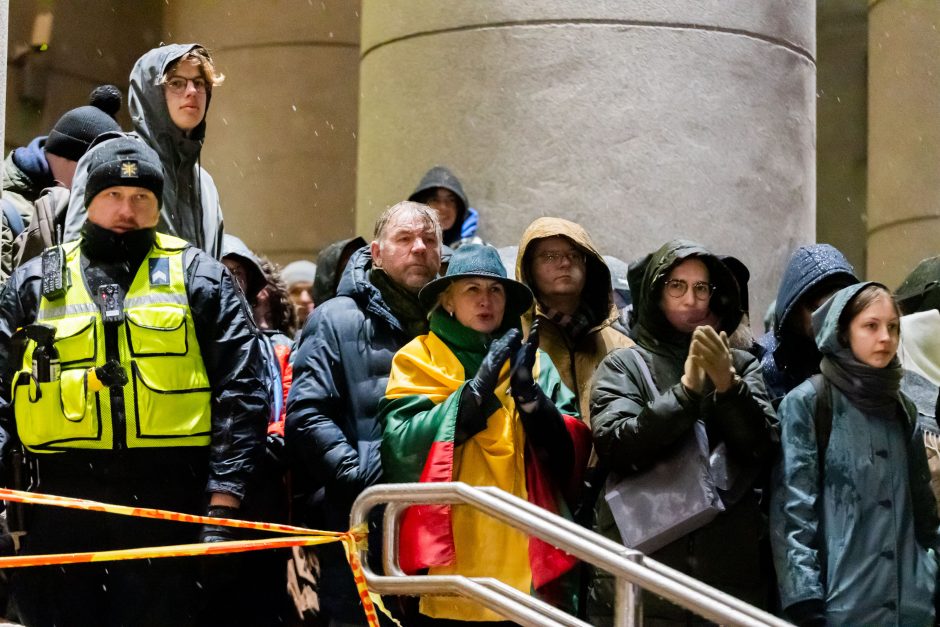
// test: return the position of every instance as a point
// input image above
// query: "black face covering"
(101, 244)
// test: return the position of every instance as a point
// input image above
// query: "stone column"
(643, 121)
(281, 136)
(903, 137)
(842, 127)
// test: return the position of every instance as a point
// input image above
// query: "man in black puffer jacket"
(341, 370)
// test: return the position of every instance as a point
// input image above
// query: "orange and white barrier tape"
(298, 536)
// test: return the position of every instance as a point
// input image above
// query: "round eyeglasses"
(676, 288)
(178, 84)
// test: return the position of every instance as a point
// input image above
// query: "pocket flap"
(157, 330)
(160, 318)
(76, 339)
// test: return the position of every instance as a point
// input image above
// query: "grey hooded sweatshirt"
(190, 207)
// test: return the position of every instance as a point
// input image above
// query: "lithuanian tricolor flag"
(420, 412)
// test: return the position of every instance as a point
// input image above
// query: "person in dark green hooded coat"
(853, 519)
(686, 303)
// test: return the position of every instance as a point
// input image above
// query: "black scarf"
(101, 244)
(874, 391)
(404, 304)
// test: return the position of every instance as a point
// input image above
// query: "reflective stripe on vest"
(167, 397)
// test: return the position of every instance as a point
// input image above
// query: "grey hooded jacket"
(190, 207)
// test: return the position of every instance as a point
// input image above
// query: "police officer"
(131, 375)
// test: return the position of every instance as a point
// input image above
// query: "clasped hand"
(709, 355)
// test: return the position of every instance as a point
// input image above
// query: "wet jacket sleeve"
(744, 415)
(794, 523)
(229, 344)
(631, 428)
(317, 404)
(19, 302)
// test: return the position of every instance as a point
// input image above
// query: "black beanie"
(74, 132)
(123, 161)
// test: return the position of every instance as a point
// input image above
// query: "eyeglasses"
(178, 84)
(554, 258)
(676, 288)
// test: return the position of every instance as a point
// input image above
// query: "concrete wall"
(904, 137)
(643, 121)
(93, 42)
(281, 130)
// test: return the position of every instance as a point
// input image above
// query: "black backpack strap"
(647, 375)
(822, 417)
(13, 217)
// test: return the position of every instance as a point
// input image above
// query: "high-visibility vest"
(167, 399)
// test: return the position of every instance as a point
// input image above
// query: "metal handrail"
(633, 570)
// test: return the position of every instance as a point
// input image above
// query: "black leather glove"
(544, 425)
(522, 385)
(478, 400)
(218, 533)
(274, 454)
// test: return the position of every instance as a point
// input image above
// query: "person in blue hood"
(788, 354)
(853, 520)
(441, 190)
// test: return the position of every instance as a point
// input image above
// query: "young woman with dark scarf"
(853, 519)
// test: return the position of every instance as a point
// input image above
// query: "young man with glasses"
(574, 302)
(687, 302)
(578, 320)
(170, 90)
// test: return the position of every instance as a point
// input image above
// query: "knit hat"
(123, 161)
(299, 271)
(73, 133)
(479, 261)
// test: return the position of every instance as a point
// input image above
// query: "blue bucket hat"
(479, 261)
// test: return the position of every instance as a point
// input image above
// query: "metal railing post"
(628, 599)
(633, 571)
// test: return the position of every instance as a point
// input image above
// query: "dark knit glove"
(478, 401)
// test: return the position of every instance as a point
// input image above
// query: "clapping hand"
(711, 352)
(522, 385)
(479, 394)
